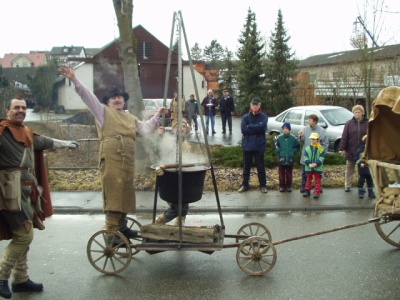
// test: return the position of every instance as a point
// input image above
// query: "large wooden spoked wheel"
(109, 252)
(256, 255)
(253, 229)
(389, 230)
(134, 225)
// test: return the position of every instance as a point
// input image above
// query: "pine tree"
(250, 67)
(196, 53)
(280, 68)
(227, 76)
(213, 54)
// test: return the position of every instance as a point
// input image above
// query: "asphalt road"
(349, 264)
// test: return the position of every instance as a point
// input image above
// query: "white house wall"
(66, 94)
(188, 87)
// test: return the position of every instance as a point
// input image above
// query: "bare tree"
(370, 23)
(127, 54)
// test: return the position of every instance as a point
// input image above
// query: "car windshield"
(337, 116)
(161, 101)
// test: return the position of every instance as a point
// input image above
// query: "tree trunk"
(127, 53)
(127, 46)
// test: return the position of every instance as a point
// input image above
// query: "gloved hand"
(64, 144)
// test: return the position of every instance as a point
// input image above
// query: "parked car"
(332, 118)
(152, 106)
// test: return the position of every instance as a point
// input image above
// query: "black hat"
(112, 92)
(255, 101)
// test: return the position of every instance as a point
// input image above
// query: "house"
(62, 54)
(341, 75)
(24, 60)
(152, 59)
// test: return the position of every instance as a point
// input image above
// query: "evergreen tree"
(7, 92)
(227, 75)
(213, 54)
(196, 53)
(250, 68)
(280, 68)
(42, 84)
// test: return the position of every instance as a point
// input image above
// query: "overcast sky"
(315, 26)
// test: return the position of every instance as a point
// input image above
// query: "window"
(294, 117)
(144, 50)
(337, 75)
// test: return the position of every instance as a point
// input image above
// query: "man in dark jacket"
(254, 126)
(210, 103)
(227, 108)
(192, 111)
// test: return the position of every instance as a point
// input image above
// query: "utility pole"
(359, 20)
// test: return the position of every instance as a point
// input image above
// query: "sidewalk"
(65, 202)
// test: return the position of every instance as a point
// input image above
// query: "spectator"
(353, 131)
(364, 174)
(253, 126)
(227, 109)
(174, 107)
(314, 156)
(307, 131)
(117, 130)
(287, 146)
(210, 103)
(23, 203)
(192, 110)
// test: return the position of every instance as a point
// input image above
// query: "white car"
(332, 118)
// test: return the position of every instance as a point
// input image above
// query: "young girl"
(314, 156)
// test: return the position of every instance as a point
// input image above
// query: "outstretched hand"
(67, 72)
(162, 109)
(73, 144)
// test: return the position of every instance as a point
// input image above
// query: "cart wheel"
(109, 252)
(253, 229)
(134, 225)
(256, 255)
(387, 229)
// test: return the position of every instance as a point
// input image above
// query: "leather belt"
(27, 182)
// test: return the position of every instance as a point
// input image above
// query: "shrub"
(232, 157)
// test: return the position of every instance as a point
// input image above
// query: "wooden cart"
(382, 154)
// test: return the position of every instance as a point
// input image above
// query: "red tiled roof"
(37, 59)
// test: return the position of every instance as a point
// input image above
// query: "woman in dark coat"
(352, 135)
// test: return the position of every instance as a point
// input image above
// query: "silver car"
(332, 118)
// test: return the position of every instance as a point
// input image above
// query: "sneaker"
(282, 190)
(27, 286)
(316, 196)
(289, 190)
(5, 289)
(306, 193)
(214, 132)
(347, 189)
(263, 189)
(243, 189)
(302, 191)
(129, 233)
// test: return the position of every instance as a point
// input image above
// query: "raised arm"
(87, 96)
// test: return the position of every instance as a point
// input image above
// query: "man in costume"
(22, 204)
(117, 130)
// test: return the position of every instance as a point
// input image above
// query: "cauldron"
(192, 184)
